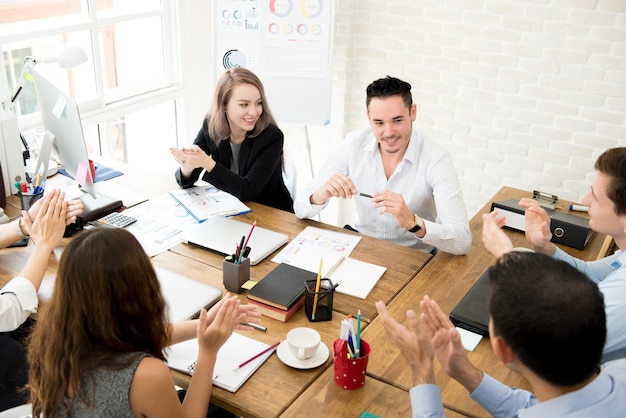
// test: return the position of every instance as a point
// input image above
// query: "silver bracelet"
(18, 229)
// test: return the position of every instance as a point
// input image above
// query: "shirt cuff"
(426, 401)
(559, 254)
(433, 232)
(25, 292)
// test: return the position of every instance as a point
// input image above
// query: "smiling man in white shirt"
(406, 187)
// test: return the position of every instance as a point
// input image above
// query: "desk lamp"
(68, 56)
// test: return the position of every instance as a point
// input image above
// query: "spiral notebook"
(226, 375)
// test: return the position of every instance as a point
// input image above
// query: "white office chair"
(290, 176)
(21, 411)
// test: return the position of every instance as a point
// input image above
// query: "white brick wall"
(522, 93)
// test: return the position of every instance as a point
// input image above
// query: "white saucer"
(286, 356)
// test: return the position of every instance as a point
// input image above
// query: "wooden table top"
(279, 390)
(376, 397)
(275, 385)
(446, 279)
(402, 263)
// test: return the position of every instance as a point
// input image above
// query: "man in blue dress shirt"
(547, 322)
(607, 214)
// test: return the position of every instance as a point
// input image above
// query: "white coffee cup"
(303, 342)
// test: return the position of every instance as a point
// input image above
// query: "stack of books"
(280, 294)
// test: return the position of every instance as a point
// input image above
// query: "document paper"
(357, 278)
(204, 202)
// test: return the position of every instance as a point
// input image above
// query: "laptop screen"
(185, 296)
(221, 235)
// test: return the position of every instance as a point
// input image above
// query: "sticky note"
(82, 171)
(59, 107)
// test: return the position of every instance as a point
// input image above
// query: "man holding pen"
(405, 185)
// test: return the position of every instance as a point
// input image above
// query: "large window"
(131, 49)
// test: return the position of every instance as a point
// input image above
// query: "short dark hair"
(388, 87)
(612, 162)
(550, 314)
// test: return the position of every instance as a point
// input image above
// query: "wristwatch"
(419, 223)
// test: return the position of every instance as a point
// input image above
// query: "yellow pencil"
(317, 290)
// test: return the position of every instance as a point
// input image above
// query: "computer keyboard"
(114, 219)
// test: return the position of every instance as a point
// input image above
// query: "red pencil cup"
(350, 373)
(92, 169)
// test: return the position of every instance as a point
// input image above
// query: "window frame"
(96, 111)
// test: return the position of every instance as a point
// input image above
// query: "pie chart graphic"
(234, 59)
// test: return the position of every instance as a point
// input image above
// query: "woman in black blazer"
(239, 145)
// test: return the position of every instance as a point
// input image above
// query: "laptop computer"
(472, 311)
(185, 296)
(221, 235)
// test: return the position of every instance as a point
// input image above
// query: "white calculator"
(114, 219)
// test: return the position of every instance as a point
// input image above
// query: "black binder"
(472, 311)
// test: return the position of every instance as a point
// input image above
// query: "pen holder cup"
(28, 199)
(350, 372)
(324, 308)
(235, 275)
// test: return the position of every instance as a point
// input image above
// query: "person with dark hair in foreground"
(547, 322)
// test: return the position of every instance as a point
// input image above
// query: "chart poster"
(295, 38)
(288, 44)
(237, 35)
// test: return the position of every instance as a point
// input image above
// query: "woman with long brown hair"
(239, 146)
(98, 347)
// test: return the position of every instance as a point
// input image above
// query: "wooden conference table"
(446, 278)
(274, 386)
(278, 390)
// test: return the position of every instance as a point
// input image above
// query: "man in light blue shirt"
(607, 214)
(547, 322)
(405, 185)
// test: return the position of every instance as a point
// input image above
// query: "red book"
(275, 313)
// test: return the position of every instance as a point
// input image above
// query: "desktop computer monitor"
(61, 118)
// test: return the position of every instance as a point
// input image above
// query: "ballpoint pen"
(258, 327)
(363, 194)
(357, 344)
(580, 208)
(335, 267)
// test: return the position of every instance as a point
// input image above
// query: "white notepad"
(357, 277)
(236, 350)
